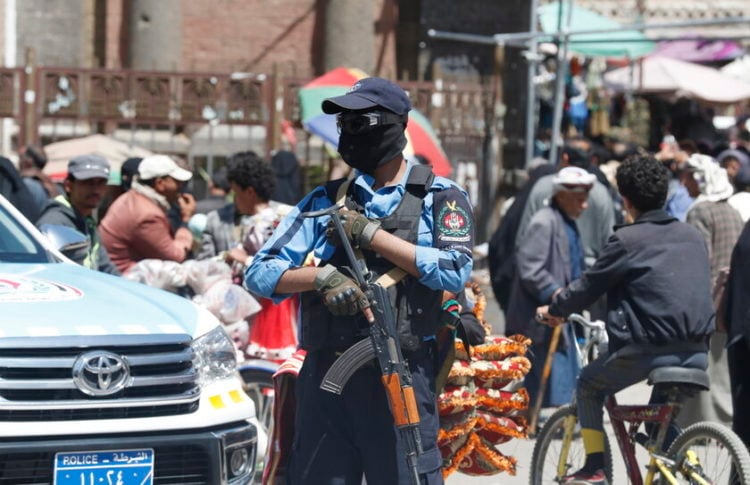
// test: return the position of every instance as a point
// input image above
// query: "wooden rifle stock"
(402, 401)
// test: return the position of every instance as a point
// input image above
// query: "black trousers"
(340, 439)
(738, 355)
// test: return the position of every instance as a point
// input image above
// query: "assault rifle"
(383, 344)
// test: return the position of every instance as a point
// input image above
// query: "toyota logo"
(100, 373)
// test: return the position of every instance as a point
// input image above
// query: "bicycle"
(703, 453)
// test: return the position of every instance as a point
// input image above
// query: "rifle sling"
(395, 274)
(391, 277)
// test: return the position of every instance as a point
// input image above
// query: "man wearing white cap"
(550, 256)
(136, 226)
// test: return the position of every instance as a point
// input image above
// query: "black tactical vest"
(418, 308)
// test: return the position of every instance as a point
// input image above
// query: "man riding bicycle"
(655, 272)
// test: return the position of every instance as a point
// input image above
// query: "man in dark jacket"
(31, 163)
(738, 321)
(656, 274)
(85, 186)
(286, 169)
(502, 247)
(13, 188)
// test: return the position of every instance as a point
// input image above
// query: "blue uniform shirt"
(443, 254)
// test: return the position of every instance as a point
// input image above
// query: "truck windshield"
(17, 245)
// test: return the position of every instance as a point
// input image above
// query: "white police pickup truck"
(108, 382)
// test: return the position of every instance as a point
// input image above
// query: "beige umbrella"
(738, 68)
(671, 76)
(115, 151)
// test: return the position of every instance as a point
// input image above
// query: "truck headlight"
(215, 356)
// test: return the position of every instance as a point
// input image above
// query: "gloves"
(359, 229)
(341, 295)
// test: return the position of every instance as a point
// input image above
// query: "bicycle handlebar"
(580, 319)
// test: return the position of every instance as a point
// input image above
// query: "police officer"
(399, 215)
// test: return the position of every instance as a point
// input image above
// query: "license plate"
(117, 467)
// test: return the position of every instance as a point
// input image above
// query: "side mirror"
(68, 241)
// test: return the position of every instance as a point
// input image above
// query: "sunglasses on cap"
(358, 123)
(576, 188)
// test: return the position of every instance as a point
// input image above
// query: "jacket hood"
(60, 207)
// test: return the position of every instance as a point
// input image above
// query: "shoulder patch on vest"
(453, 219)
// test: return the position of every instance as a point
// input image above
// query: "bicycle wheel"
(712, 452)
(546, 466)
(258, 384)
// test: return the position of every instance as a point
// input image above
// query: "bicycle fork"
(568, 430)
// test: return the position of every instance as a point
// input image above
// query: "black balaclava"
(367, 151)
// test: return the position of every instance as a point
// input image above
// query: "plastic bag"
(167, 275)
(239, 332)
(229, 302)
(202, 275)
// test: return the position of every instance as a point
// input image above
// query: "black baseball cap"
(368, 93)
(128, 170)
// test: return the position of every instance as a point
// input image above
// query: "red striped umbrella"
(421, 138)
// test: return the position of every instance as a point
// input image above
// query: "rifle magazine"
(346, 365)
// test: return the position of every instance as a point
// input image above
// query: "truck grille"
(173, 465)
(37, 383)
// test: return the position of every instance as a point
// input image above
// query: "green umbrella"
(613, 43)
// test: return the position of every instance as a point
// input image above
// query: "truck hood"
(63, 299)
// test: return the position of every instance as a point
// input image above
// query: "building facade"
(301, 37)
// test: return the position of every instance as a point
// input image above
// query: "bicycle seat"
(679, 375)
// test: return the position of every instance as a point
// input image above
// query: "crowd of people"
(653, 248)
(656, 244)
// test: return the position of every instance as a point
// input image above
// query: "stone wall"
(2, 29)
(217, 35)
(250, 35)
(60, 32)
(253, 35)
